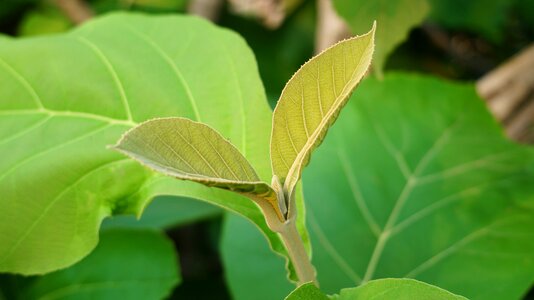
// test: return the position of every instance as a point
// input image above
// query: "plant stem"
(297, 253)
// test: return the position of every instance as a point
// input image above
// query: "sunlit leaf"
(189, 150)
(311, 101)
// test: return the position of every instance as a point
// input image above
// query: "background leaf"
(395, 19)
(307, 291)
(486, 17)
(395, 288)
(130, 264)
(165, 212)
(251, 269)
(134, 68)
(416, 180)
(381, 289)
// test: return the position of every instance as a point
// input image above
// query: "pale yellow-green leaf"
(190, 150)
(311, 102)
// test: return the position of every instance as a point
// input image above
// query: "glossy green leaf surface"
(134, 68)
(417, 180)
(395, 19)
(380, 289)
(311, 102)
(126, 264)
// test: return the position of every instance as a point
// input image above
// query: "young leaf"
(311, 102)
(189, 150)
(395, 18)
(126, 264)
(422, 184)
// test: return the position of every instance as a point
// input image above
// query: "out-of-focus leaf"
(126, 264)
(45, 20)
(166, 212)
(311, 102)
(485, 17)
(150, 6)
(251, 269)
(395, 19)
(56, 192)
(417, 180)
(307, 291)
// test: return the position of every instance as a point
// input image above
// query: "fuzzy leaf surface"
(190, 150)
(311, 102)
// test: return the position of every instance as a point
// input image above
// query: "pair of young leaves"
(308, 106)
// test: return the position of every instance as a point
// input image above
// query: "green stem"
(297, 253)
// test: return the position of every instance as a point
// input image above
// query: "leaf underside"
(311, 102)
(190, 150)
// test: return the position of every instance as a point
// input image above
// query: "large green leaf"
(307, 291)
(311, 102)
(250, 268)
(381, 289)
(127, 264)
(395, 20)
(65, 98)
(417, 180)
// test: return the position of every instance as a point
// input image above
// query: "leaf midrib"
(343, 96)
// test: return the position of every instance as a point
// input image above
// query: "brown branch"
(509, 92)
(521, 127)
(330, 27)
(78, 11)
(208, 9)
